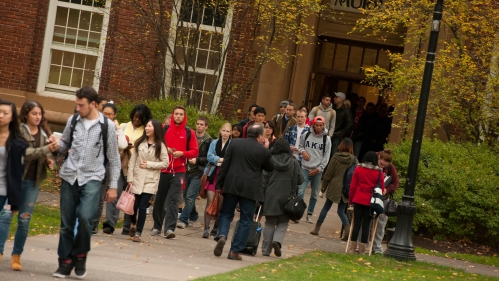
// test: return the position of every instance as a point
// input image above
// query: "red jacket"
(364, 180)
(176, 137)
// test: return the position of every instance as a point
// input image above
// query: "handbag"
(391, 207)
(202, 184)
(126, 201)
(295, 207)
(377, 207)
(213, 210)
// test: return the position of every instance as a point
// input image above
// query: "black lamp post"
(400, 246)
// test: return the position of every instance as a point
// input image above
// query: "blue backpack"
(347, 179)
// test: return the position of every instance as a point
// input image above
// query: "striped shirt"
(86, 159)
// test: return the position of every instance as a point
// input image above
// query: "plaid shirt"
(291, 135)
(86, 159)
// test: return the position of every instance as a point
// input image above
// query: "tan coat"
(146, 180)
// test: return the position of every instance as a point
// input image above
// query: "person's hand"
(384, 192)
(116, 124)
(321, 194)
(170, 150)
(178, 154)
(305, 155)
(54, 146)
(293, 148)
(220, 160)
(192, 161)
(51, 139)
(50, 163)
(313, 172)
(143, 164)
(111, 195)
(130, 146)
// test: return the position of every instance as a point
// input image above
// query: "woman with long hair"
(13, 197)
(215, 156)
(332, 185)
(278, 185)
(144, 169)
(365, 178)
(133, 130)
(268, 134)
(237, 131)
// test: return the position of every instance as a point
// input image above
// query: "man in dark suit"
(240, 177)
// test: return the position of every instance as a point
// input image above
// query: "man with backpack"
(325, 109)
(182, 145)
(92, 140)
(315, 147)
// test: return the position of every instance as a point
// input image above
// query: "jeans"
(112, 213)
(247, 207)
(315, 184)
(103, 190)
(169, 189)
(190, 193)
(29, 195)
(141, 203)
(335, 142)
(362, 218)
(341, 212)
(77, 202)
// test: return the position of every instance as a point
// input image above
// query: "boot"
(316, 229)
(362, 248)
(353, 247)
(15, 263)
(346, 232)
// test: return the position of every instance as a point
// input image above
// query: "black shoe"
(80, 269)
(214, 232)
(64, 270)
(107, 229)
(219, 248)
(94, 231)
(277, 248)
(125, 232)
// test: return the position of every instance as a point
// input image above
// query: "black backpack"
(324, 138)
(103, 134)
(187, 133)
(347, 179)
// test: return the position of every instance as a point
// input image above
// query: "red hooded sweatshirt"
(176, 137)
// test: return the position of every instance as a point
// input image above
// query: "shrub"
(456, 194)
(161, 108)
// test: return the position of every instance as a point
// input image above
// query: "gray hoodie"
(329, 115)
(313, 145)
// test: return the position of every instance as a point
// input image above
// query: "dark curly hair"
(144, 113)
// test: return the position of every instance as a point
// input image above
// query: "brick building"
(50, 48)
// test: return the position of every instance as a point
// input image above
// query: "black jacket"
(343, 123)
(241, 170)
(361, 132)
(15, 172)
(279, 184)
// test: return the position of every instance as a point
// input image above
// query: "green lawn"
(332, 266)
(45, 220)
(486, 260)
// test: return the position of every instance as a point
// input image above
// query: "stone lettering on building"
(355, 5)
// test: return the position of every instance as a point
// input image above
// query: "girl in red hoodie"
(366, 176)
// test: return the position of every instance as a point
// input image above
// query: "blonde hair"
(229, 125)
(347, 104)
(386, 155)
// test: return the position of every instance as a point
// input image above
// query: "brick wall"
(22, 24)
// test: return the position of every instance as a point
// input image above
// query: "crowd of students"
(162, 163)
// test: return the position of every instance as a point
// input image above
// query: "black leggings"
(361, 217)
(141, 203)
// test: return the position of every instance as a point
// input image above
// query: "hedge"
(161, 108)
(456, 194)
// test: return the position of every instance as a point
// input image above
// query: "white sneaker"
(169, 234)
(191, 224)
(309, 218)
(155, 232)
(181, 225)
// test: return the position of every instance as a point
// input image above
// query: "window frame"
(43, 87)
(169, 66)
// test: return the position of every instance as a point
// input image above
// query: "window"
(73, 46)
(197, 65)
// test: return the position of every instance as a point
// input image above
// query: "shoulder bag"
(391, 207)
(202, 184)
(295, 207)
(126, 201)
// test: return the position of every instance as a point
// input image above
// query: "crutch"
(374, 225)
(350, 209)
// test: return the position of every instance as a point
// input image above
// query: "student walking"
(14, 199)
(144, 167)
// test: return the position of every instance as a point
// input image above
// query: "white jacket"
(146, 180)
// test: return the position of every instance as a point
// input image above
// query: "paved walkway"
(188, 256)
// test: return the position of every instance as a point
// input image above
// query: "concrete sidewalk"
(188, 256)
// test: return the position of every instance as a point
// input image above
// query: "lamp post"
(400, 246)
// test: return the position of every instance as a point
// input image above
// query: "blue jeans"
(190, 193)
(315, 183)
(29, 195)
(247, 207)
(77, 202)
(341, 212)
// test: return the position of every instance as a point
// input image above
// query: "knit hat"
(284, 103)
